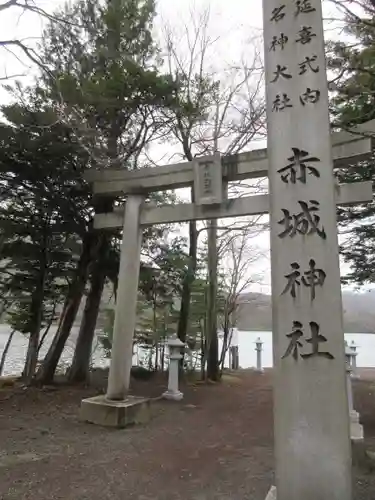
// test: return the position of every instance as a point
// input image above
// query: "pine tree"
(103, 80)
(353, 103)
(42, 217)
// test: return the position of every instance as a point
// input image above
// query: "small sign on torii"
(208, 181)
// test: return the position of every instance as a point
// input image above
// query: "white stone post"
(353, 347)
(258, 348)
(175, 345)
(312, 443)
(126, 302)
(356, 429)
(348, 356)
(234, 350)
(230, 354)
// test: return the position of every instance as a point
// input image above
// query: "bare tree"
(356, 10)
(19, 47)
(220, 108)
(237, 254)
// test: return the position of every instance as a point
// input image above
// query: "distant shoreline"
(247, 330)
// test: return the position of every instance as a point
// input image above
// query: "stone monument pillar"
(175, 345)
(312, 444)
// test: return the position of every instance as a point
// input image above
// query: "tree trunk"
(183, 319)
(31, 357)
(80, 369)
(156, 355)
(5, 351)
(203, 358)
(213, 372)
(187, 284)
(162, 356)
(47, 369)
(224, 349)
(46, 331)
(36, 313)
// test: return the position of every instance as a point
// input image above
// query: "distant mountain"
(255, 312)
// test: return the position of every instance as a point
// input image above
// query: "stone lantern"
(356, 429)
(175, 346)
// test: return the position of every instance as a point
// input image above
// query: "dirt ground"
(216, 444)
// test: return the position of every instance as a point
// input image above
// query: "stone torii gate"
(210, 176)
(312, 444)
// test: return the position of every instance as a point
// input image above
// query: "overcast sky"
(235, 17)
(235, 21)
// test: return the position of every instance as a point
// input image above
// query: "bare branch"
(31, 54)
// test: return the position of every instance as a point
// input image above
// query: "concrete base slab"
(173, 396)
(118, 414)
(361, 457)
(271, 495)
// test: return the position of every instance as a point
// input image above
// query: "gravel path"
(216, 444)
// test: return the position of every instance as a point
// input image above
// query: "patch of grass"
(231, 379)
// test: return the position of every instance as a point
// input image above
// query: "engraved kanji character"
(278, 14)
(281, 102)
(281, 71)
(313, 278)
(280, 41)
(307, 64)
(304, 7)
(305, 35)
(298, 165)
(310, 96)
(315, 339)
(305, 222)
(293, 280)
(295, 344)
(207, 181)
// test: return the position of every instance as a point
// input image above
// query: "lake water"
(16, 355)
(246, 343)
